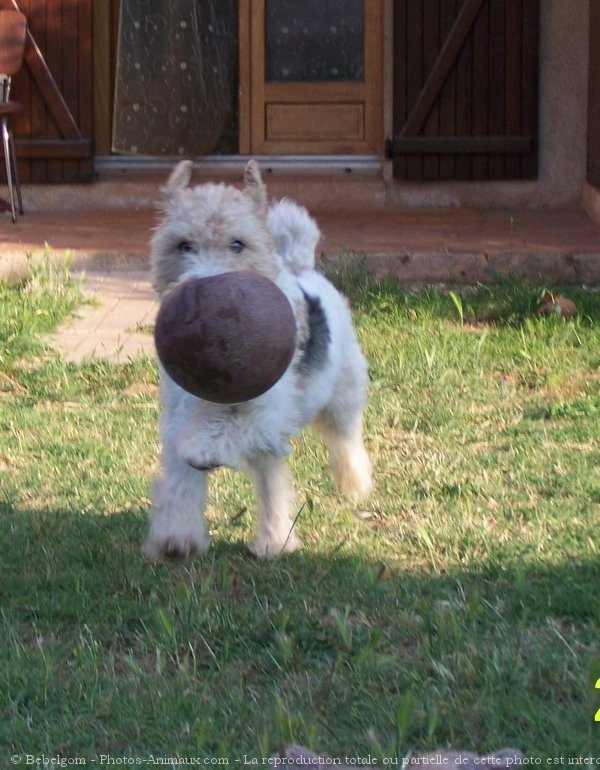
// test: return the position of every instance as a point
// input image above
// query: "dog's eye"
(237, 246)
(185, 247)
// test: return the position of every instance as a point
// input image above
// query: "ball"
(226, 338)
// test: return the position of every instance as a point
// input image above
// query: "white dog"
(212, 229)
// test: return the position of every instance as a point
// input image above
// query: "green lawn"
(459, 607)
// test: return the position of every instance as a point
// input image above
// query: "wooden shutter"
(53, 132)
(465, 89)
(593, 154)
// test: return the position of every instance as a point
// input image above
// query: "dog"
(216, 228)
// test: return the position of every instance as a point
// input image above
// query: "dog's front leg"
(273, 485)
(177, 527)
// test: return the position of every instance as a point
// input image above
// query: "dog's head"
(212, 229)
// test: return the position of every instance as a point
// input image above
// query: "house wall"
(564, 49)
(563, 98)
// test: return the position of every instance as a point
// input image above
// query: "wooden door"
(465, 89)
(593, 148)
(336, 115)
(53, 132)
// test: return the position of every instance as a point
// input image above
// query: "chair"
(13, 27)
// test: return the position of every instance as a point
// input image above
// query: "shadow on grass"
(334, 649)
(67, 554)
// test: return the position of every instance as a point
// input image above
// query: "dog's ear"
(254, 186)
(179, 179)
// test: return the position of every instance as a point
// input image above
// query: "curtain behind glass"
(314, 40)
(176, 81)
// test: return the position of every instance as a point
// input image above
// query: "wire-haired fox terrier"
(212, 229)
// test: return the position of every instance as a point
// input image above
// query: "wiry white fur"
(295, 233)
(197, 435)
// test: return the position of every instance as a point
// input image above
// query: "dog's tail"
(295, 233)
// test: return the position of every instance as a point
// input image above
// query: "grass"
(458, 607)
(34, 305)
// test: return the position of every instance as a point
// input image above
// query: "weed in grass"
(458, 608)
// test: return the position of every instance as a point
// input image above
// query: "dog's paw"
(173, 547)
(356, 486)
(266, 548)
(204, 455)
(351, 468)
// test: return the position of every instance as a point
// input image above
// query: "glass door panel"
(314, 41)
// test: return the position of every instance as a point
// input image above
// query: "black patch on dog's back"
(314, 350)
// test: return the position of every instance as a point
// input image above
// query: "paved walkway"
(117, 322)
(109, 247)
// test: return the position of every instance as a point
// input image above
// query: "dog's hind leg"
(177, 527)
(350, 463)
(273, 485)
(341, 423)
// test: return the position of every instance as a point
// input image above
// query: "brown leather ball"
(226, 338)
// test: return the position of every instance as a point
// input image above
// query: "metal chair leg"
(7, 156)
(17, 181)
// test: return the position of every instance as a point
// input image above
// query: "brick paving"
(115, 323)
